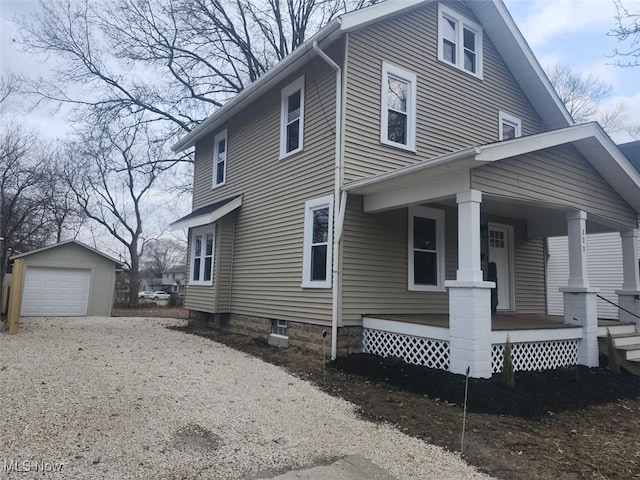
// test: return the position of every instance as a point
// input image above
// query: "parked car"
(145, 294)
(160, 295)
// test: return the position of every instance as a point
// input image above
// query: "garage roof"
(66, 242)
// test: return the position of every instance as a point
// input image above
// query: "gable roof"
(589, 139)
(67, 242)
(492, 14)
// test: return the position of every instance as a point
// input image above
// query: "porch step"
(621, 339)
(620, 329)
(631, 352)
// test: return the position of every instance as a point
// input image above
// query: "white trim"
(202, 231)
(512, 269)
(216, 143)
(438, 216)
(207, 218)
(293, 87)
(427, 191)
(535, 335)
(389, 70)
(505, 118)
(309, 207)
(462, 23)
(406, 328)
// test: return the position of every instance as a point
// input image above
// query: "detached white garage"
(68, 279)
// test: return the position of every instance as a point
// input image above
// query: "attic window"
(510, 127)
(459, 41)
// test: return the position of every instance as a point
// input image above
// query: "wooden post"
(15, 302)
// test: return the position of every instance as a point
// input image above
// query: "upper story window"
(202, 251)
(459, 41)
(292, 118)
(318, 236)
(398, 122)
(426, 248)
(509, 126)
(220, 159)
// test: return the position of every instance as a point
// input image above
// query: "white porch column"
(577, 231)
(580, 301)
(469, 296)
(629, 296)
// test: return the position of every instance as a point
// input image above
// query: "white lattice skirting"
(536, 355)
(427, 352)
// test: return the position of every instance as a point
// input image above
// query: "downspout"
(338, 207)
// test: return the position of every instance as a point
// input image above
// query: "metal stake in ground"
(324, 355)
(464, 411)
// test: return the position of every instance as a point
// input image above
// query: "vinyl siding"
(604, 267)
(375, 262)
(454, 109)
(269, 226)
(530, 275)
(558, 175)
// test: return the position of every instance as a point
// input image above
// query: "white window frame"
(505, 118)
(463, 23)
(438, 216)
(287, 91)
(221, 136)
(202, 231)
(389, 70)
(309, 207)
(279, 326)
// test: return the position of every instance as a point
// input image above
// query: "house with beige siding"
(390, 185)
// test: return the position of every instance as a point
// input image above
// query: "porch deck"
(512, 321)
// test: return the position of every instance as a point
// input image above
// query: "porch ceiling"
(443, 177)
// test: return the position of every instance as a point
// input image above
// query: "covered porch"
(539, 342)
(569, 182)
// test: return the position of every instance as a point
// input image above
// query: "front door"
(500, 252)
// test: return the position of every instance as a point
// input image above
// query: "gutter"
(339, 207)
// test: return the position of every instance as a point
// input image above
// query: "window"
(292, 118)
(280, 328)
(202, 249)
(459, 41)
(510, 126)
(426, 248)
(398, 122)
(318, 234)
(220, 159)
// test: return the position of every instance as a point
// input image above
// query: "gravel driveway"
(127, 398)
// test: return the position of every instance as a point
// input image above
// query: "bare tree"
(24, 219)
(111, 171)
(627, 29)
(169, 62)
(161, 254)
(584, 95)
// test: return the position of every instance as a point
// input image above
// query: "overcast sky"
(567, 32)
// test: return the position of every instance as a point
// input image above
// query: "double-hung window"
(292, 118)
(459, 41)
(202, 252)
(426, 248)
(398, 119)
(510, 127)
(220, 159)
(318, 235)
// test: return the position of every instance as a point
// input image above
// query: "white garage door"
(55, 292)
